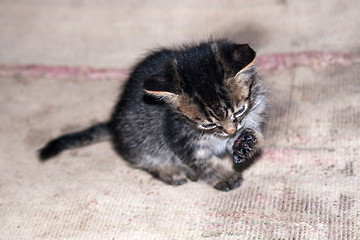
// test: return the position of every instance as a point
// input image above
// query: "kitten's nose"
(229, 128)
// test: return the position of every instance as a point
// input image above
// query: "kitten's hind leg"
(219, 173)
(170, 174)
(231, 181)
(166, 167)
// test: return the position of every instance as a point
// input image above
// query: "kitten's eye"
(208, 126)
(241, 111)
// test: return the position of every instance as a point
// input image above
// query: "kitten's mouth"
(226, 135)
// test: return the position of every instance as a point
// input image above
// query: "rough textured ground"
(62, 64)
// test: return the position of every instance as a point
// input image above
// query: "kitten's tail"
(97, 133)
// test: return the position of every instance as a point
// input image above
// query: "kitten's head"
(212, 84)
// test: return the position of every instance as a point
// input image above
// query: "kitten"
(182, 110)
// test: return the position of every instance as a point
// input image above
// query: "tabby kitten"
(182, 110)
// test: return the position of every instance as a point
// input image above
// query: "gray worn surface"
(305, 185)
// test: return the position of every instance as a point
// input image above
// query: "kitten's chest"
(210, 145)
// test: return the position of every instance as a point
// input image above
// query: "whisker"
(257, 103)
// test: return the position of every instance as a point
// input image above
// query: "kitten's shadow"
(240, 167)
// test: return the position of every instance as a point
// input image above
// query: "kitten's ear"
(239, 57)
(243, 57)
(163, 84)
(247, 71)
(159, 86)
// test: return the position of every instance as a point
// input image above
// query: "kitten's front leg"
(247, 145)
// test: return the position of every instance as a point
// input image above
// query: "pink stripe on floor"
(33, 71)
(316, 60)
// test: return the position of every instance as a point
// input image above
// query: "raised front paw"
(244, 145)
